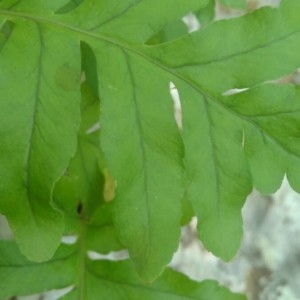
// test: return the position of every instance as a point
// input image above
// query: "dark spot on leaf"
(79, 208)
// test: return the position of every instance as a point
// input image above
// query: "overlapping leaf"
(105, 279)
(18, 276)
(39, 112)
(219, 144)
(229, 143)
(85, 190)
(207, 14)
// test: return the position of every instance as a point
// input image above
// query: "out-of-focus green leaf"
(20, 277)
(206, 14)
(169, 32)
(71, 5)
(90, 279)
(118, 280)
(187, 211)
(6, 29)
(241, 4)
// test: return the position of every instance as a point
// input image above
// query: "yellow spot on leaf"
(109, 186)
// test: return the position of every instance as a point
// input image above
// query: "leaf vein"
(142, 145)
(28, 157)
(215, 160)
(124, 11)
(228, 57)
(167, 69)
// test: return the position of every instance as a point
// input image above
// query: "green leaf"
(217, 173)
(6, 29)
(142, 146)
(214, 65)
(270, 151)
(32, 6)
(214, 133)
(241, 4)
(117, 280)
(39, 112)
(133, 21)
(157, 192)
(103, 239)
(171, 31)
(144, 127)
(93, 222)
(206, 14)
(105, 279)
(82, 191)
(20, 277)
(187, 211)
(72, 4)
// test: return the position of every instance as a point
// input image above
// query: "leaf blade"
(137, 20)
(121, 282)
(20, 277)
(148, 141)
(41, 99)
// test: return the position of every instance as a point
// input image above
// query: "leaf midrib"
(214, 157)
(142, 149)
(33, 124)
(173, 72)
